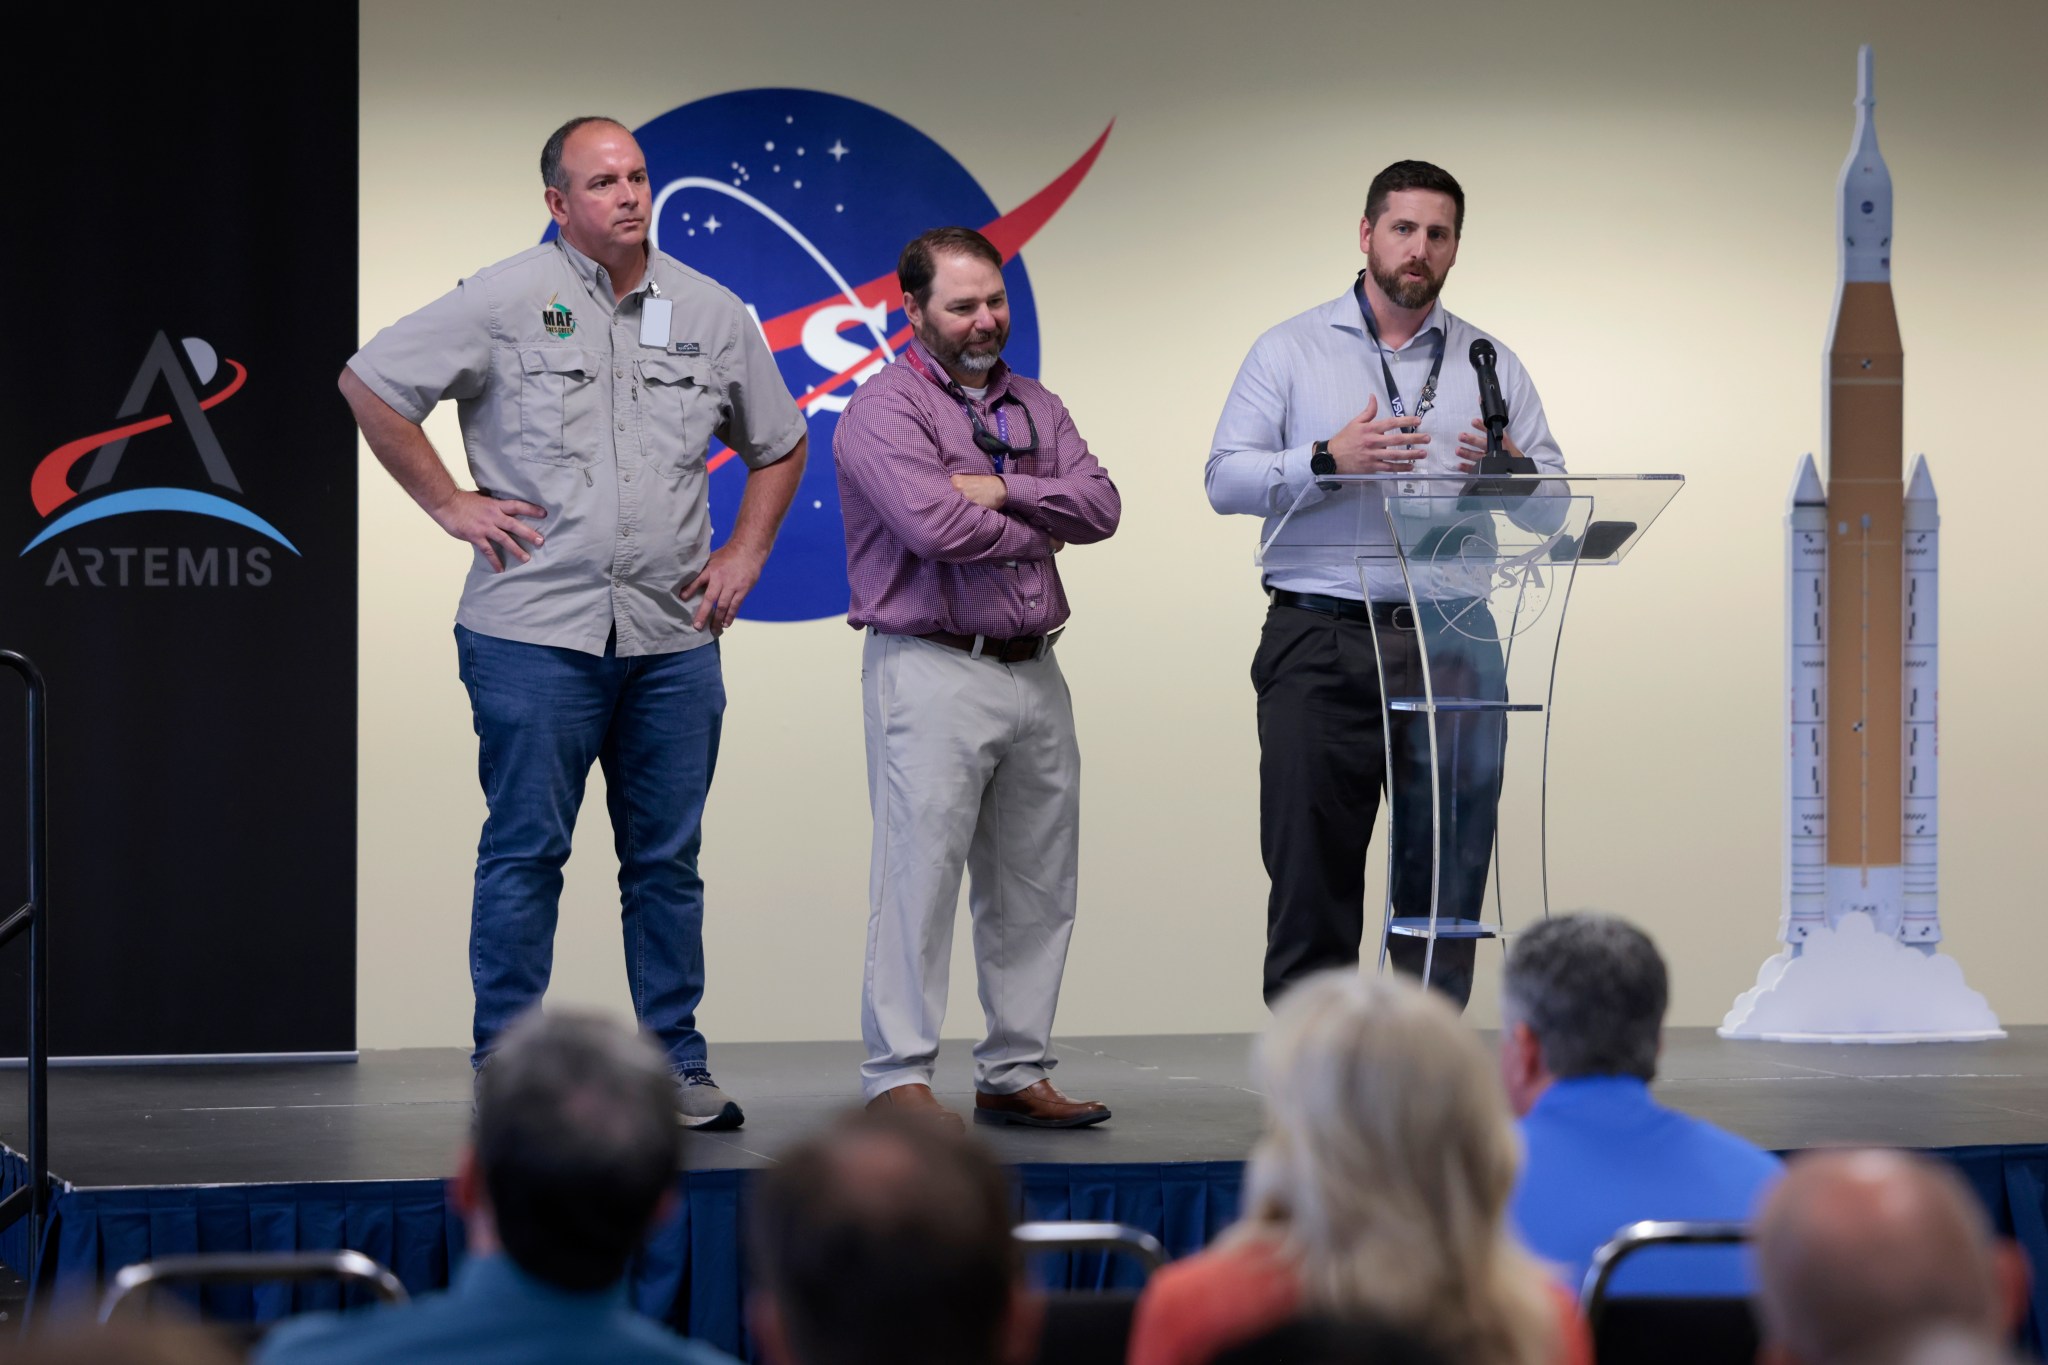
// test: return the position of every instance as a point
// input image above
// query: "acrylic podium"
(1469, 577)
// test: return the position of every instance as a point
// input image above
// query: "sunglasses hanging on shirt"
(996, 445)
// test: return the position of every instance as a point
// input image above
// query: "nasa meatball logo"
(799, 202)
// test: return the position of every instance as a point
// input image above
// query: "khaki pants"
(971, 764)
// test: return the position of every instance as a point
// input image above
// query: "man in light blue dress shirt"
(1582, 1020)
(1376, 381)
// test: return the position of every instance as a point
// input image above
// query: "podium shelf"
(1460, 704)
(1417, 926)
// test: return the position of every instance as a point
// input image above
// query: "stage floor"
(402, 1115)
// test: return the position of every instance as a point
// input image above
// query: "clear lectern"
(1470, 576)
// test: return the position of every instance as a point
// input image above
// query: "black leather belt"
(1015, 650)
(1397, 615)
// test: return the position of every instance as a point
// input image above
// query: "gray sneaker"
(701, 1104)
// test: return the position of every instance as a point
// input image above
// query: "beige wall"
(1651, 227)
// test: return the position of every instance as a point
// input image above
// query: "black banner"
(178, 532)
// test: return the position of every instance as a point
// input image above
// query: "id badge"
(654, 319)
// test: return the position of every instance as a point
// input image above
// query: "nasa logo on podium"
(799, 202)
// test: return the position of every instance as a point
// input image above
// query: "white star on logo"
(837, 150)
(712, 224)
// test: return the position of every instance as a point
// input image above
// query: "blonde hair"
(1386, 1167)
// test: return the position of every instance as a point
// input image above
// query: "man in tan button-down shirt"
(590, 375)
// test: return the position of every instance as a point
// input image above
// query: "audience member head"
(1386, 1166)
(1583, 995)
(1863, 1254)
(882, 1210)
(576, 1148)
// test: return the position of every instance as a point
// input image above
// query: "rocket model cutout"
(1861, 657)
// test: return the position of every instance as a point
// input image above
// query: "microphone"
(1493, 409)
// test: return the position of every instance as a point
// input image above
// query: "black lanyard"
(1387, 371)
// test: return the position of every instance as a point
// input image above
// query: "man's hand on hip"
(490, 524)
(983, 490)
(728, 576)
(1370, 444)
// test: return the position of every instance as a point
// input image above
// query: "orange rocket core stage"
(1865, 487)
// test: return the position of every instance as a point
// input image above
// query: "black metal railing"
(32, 1200)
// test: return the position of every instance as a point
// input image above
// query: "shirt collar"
(1343, 314)
(497, 1280)
(1576, 1094)
(998, 377)
(597, 279)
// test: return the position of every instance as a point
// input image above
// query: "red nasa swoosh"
(1008, 233)
(50, 486)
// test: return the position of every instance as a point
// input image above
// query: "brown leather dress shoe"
(1038, 1106)
(918, 1102)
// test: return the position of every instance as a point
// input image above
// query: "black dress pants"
(1323, 760)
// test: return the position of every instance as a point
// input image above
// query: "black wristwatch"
(1320, 461)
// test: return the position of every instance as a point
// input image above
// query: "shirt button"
(622, 426)
(618, 374)
(629, 478)
(1032, 603)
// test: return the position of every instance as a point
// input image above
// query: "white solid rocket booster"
(1806, 693)
(1920, 689)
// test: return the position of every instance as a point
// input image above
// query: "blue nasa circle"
(790, 198)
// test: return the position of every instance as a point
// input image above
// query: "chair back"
(298, 1267)
(1667, 1330)
(1089, 1327)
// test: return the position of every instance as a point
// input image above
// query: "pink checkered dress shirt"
(919, 556)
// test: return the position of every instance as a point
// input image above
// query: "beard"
(1406, 290)
(974, 356)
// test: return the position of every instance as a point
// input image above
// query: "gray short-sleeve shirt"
(562, 406)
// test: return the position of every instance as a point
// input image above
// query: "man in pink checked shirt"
(960, 481)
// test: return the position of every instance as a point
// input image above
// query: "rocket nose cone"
(1806, 485)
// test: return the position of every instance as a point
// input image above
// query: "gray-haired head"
(1592, 989)
(576, 1141)
(552, 175)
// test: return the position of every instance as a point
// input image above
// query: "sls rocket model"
(1861, 566)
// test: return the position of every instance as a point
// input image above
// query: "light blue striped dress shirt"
(1305, 379)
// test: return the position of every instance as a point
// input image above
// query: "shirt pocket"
(558, 418)
(679, 411)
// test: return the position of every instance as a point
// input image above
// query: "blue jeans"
(542, 716)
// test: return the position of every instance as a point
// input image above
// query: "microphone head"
(1483, 354)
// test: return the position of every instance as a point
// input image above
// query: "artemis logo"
(97, 496)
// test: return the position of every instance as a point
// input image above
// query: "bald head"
(1859, 1253)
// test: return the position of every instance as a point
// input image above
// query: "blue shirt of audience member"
(493, 1313)
(1600, 1154)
